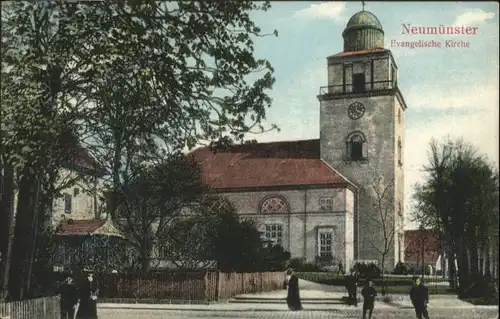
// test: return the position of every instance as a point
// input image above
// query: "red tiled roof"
(350, 53)
(291, 163)
(418, 240)
(78, 227)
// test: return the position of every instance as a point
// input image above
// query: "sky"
(449, 91)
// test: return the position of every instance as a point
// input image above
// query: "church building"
(339, 197)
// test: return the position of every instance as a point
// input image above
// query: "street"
(306, 314)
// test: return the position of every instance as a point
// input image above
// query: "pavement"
(319, 301)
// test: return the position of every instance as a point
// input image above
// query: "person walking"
(369, 293)
(89, 291)
(340, 269)
(419, 296)
(69, 298)
(293, 297)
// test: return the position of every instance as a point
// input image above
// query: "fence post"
(243, 283)
(217, 285)
(205, 285)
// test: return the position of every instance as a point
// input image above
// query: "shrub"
(400, 269)
(299, 265)
(417, 270)
(367, 270)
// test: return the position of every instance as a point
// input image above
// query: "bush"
(483, 289)
(299, 265)
(367, 270)
(417, 270)
(400, 269)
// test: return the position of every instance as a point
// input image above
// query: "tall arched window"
(274, 205)
(356, 146)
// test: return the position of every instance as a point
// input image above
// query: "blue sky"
(449, 92)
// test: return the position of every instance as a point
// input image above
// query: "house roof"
(290, 163)
(87, 227)
(417, 241)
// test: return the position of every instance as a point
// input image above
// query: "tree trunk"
(463, 269)
(34, 236)
(117, 161)
(473, 260)
(23, 232)
(383, 275)
(145, 257)
(6, 227)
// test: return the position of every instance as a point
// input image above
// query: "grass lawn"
(394, 284)
(433, 290)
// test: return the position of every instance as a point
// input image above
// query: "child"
(369, 293)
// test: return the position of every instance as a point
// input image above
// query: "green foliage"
(460, 199)
(299, 264)
(134, 81)
(367, 270)
(400, 269)
(154, 197)
(217, 237)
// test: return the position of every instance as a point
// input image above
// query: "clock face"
(356, 110)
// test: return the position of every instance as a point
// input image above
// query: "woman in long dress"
(293, 297)
(88, 298)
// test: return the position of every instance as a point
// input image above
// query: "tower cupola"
(363, 32)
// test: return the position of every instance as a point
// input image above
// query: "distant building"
(423, 247)
(80, 212)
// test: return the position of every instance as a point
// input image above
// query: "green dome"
(364, 19)
(363, 32)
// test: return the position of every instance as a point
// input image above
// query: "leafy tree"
(460, 200)
(216, 235)
(157, 195)
(184, 73)
(173, 74)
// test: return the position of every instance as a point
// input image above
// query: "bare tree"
(382, 221)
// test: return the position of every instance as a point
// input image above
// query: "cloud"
(474, 16)
(327, 10)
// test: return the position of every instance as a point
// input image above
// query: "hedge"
(335, 280)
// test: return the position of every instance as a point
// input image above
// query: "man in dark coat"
(69, 298)
(351, 286)
(293, 297)
(88, 297)
(369, 293)
(419, 295)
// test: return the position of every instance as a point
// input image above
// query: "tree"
(215, 235)
(175, 74)
(459, 199)
(157, 195)
(188, 72)
(383, 221)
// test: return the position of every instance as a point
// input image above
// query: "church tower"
(362, 136)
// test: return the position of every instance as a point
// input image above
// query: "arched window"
(356, 146)
(274, 205)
